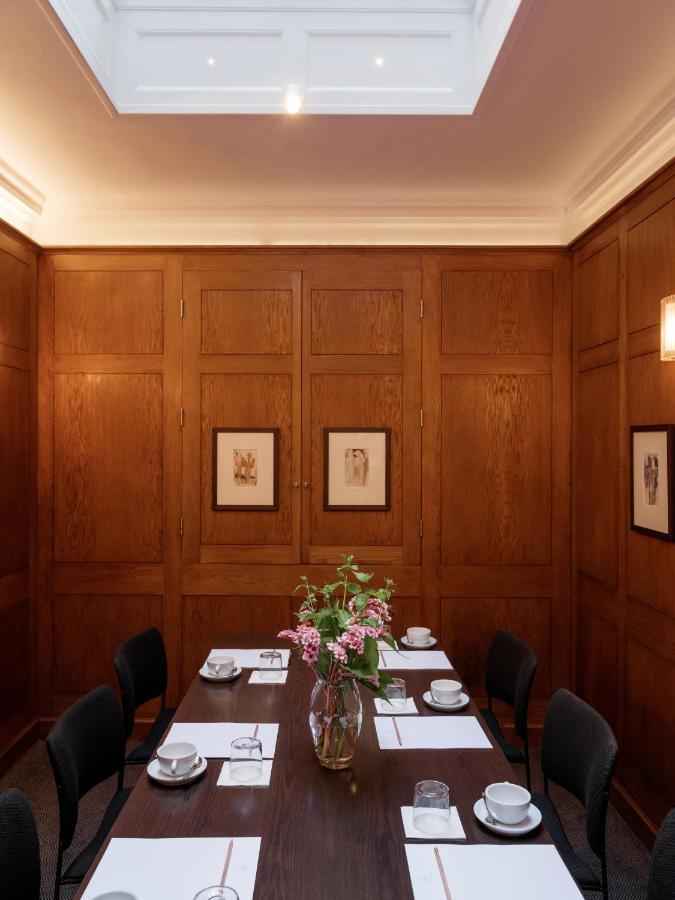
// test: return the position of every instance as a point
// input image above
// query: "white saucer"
(156, 774)
(209, 676)
(431, 642)
(462, 703)
(531, 821)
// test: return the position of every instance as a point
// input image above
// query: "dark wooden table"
(325, 835)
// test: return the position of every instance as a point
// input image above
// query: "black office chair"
(140, 663)
(578, 753)
(510, 668)
(661, 885)
(19, 848)
(86, 746)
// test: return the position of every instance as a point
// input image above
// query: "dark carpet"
(627, 858)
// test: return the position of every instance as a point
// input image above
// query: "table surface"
(324, 834)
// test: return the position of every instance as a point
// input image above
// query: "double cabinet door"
(296, 352)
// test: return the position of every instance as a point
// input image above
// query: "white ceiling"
(579, 109)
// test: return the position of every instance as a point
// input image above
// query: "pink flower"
(338, 652)
(290, 635)
(374, 680)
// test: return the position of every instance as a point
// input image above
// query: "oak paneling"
(16, 667)
(108, 468)
(108, 312)
(651, 266)
(596, 489)
(357, 321)
(16, 291)
(15, 467)
(597, 304)
(497, 312)
(496, 469)
(247, 321)
(597, 663)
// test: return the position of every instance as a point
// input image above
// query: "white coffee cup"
(419, 635)
(219, 664)
(177, 759)
(446, 691)
(508, 803)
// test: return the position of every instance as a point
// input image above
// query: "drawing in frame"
(357, 469)
(652, 467)
(245, 469)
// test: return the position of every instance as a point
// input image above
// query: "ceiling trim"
(20, 202)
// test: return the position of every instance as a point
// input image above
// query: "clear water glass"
(218, 892)
(270, 665)
(396, 693)
(431, 807)
(246, 759)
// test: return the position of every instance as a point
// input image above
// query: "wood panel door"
(361, 370)
(241, 369)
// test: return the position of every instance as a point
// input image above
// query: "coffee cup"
(419, 635)
(507, 803)
(219, 664)
(446, 691)
(177, 758)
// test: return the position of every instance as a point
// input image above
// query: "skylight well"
(401, 57)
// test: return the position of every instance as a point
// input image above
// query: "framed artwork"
(246, 469)
(652, 464)
(356, 468)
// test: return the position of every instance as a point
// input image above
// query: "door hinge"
(180, 526)
(421, 418)
(182, 309)
(421, 527)
(182, 417)
(421, 309)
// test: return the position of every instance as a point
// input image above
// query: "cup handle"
(174, 766)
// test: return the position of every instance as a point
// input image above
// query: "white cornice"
(20, 202)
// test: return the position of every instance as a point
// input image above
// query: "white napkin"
(479, 871)
(432, 733)
(454, 831)
(414, 659)
(256, 678)
(213, 739)
(385, 708)
(250, 659)
(224, 779)
(159, 868)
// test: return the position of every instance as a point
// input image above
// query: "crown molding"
(20, 202)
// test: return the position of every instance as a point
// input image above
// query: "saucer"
(209, 676)
(531, 821)
(460, 704)
(156, 774)
(430, 642)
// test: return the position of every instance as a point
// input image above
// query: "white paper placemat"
(173, 868)
(224, 779)
(385, 708)
(213, 739)
(250, 659)
(481, 871)
(431, 733)
(454, 831)
(256, 678)
(415, 659)
(383, 645)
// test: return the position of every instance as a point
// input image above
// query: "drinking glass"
(218, 892)
(396, 693)
(270, 665)
(431, 807)
(246, 759)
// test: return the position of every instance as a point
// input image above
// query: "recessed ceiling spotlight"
(210, 61)
(379, 61)
(293, 99)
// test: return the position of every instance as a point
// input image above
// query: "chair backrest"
(19, 848)
(140, 663)
(86, 745)
(661, 884)
(510, 668)
(579, 752)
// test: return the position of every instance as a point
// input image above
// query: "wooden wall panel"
(597, 302)
(17, 279)
(357, 322)
(107, 468)
(597, 663)
(496, 475)
(15, 466)
(651, 266)
(248, 321)
(16, 669)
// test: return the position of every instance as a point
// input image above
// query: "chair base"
(142, 754)
(578, 868)
(79, 867)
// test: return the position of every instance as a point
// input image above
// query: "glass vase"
(335, 718)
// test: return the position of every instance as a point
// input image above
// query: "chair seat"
(578, 868)
(142, 753)
(83, 861)
(511, 752)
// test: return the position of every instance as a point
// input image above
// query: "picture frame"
(245, 469)
(357, 469)
(652, 469)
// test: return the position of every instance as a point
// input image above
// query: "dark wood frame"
(387, 471)
(214, 470)
(670, 453)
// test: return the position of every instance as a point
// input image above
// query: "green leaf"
(363, 577)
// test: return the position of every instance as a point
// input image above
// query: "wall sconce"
(668, 328)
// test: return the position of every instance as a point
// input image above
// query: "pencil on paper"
(398, 733)
(255, 732)
(384, 661)
(228, 857)
(439, 861)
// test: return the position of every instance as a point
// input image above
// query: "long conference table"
(329, 835)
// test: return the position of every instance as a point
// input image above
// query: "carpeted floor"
(628, 859)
